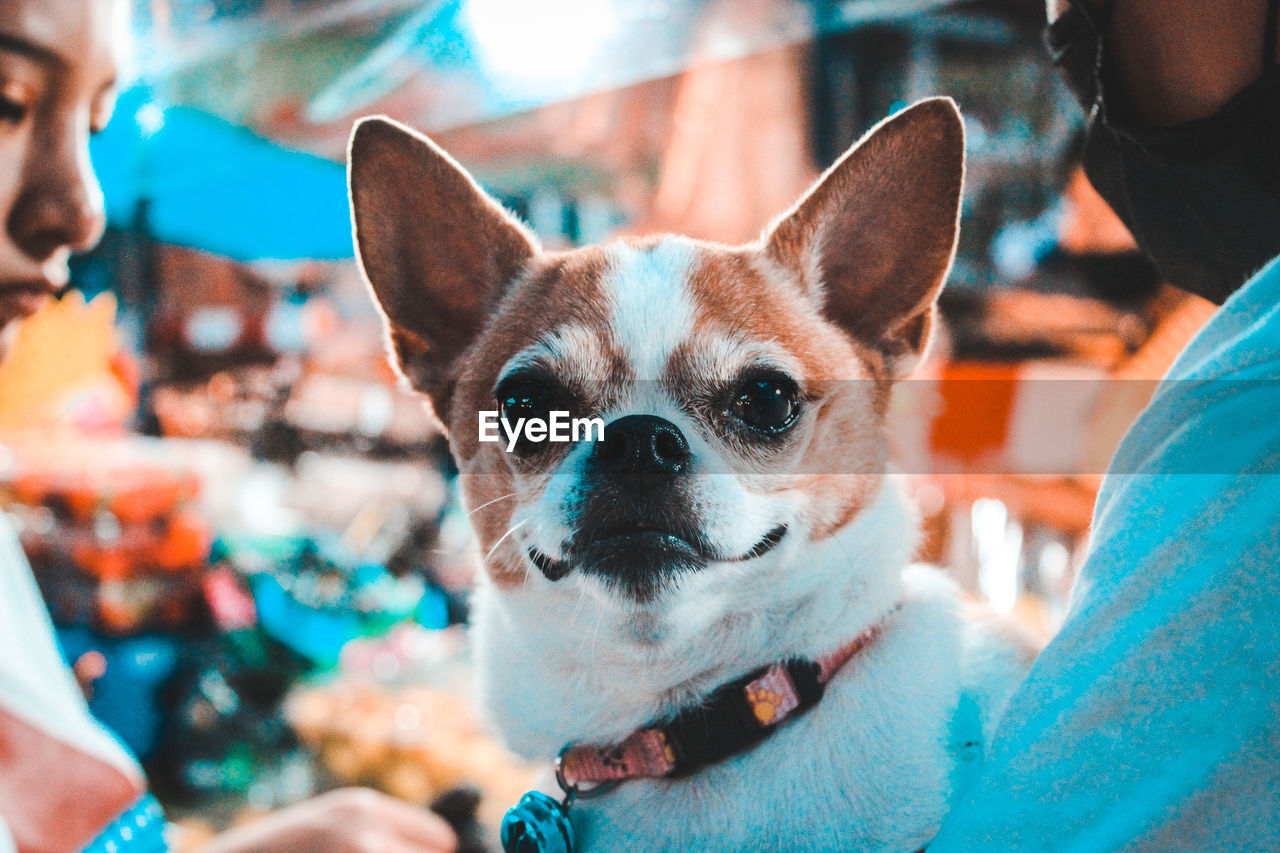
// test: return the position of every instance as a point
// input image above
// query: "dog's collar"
(732, 719)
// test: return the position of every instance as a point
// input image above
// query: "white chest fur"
(868, 768)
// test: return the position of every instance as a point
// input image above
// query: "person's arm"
(353, 820)
(1149, 723)
(1180, 60)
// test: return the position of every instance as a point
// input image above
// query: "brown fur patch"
(561, 289)
(739, 295)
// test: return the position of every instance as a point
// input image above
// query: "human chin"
(24, 289)
(19, 302)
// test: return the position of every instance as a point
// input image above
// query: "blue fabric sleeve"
(1152, 721)
(138, 830)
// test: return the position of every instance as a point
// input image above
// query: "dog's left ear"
(874, 238)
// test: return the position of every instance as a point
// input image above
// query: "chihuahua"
(706, 608)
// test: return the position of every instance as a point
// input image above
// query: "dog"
(736, 528)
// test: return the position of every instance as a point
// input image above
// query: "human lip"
(24, 298)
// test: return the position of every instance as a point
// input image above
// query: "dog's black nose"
(641, 444)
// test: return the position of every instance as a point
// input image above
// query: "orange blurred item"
(65, 371)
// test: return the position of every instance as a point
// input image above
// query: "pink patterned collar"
(733, 718)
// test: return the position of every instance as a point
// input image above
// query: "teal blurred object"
(316, 634)
(188, 178)
(129, 699)
(314, 596)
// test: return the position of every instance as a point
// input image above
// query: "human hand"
(351, 820)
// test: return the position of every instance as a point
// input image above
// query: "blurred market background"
(248, 534)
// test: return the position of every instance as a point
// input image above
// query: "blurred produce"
(192, 587)
(115, 542)
(393, 718)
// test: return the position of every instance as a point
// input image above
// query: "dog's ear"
(873, 239)
(437, 251)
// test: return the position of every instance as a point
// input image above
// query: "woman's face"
(58, 63)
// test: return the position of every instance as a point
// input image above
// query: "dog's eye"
(524, 399)
(769, 404)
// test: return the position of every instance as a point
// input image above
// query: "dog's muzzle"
(637, 528)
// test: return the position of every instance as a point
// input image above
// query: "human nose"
(60, 204)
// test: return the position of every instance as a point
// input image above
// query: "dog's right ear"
(437, 250)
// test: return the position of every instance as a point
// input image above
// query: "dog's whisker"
(490, 503)
(524, 581)
(595, 633)
(577, 607)
(503, 538)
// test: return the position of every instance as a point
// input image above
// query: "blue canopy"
(213, 186)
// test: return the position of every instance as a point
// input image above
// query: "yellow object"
(59, 369)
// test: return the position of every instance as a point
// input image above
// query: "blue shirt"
(1152, 721)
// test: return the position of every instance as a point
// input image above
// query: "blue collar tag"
(537, 824)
